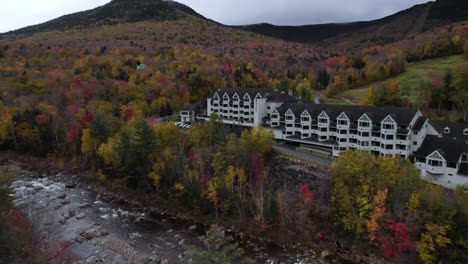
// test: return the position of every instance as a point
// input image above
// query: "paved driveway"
(283, 149)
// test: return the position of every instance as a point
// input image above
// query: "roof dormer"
(289, 115)
(446, 130)
(323, 118)
(465, 132)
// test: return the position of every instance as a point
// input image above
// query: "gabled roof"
(419, 123)
(270, 94)
(456, 129)
(401, 115)
(449, 148)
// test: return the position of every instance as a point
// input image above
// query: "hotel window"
(323, 120)
(342, 132)
(323, 129)
(305, 119)
(363, 134)
(274, 116)
(464, 157)
(388, 137)
(342, 122)
(364, 124)
(388, 126)
(289, 117)
(306, 127)
(435, 163)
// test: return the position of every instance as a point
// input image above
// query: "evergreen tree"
(217, 249)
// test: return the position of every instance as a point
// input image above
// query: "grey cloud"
(20, 13)
(297, 12)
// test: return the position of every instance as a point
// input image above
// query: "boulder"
(104, 232)
(62, 221)
(64, 202)
(61, 196)
(85, 205)
(80, 216)
(192, 227)
(38, 188)
(325, 254)
(89, 235)
(70, 185)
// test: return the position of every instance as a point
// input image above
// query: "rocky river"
(102, 230)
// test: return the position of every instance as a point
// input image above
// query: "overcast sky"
(16, 14)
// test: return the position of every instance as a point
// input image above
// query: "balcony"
(435, 169)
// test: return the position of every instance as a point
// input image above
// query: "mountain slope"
(405, 23)
(115, 12)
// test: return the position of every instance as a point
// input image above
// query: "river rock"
(71, 213)
(62, 221)
(61, 196)
(80, 216)
(89, 235)
(64, 202)
(66, 216)
(38, 188)
(325, 254)
(85, 205)
(28, 184)
(192, 227)
(104, 232)
(70, 185)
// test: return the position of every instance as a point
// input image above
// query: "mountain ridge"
(114, 12)
(435, 14)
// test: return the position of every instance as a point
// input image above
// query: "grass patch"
(336, 101)
(410, 81)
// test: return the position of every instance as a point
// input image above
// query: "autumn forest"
(80, 96)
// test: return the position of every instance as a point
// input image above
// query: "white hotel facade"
(439, 150)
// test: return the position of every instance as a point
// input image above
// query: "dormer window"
(446, 130)
(464, 157)
(364, 124)
(342, 122)
(305, 119)
(323, 121)
(465, 131)
(388, 126)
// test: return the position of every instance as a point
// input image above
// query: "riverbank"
(266, 245)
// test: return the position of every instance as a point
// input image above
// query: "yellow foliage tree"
(86, 142)
(434, 238)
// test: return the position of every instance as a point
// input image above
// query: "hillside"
(115, 12)
(403, 24)
(411, 82)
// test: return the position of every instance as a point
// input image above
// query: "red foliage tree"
(398, 241)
